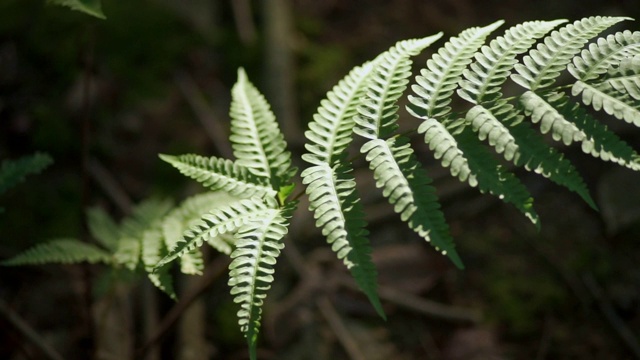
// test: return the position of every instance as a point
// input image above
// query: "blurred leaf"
(91, 7)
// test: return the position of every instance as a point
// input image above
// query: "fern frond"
(258, 245)
(437, 82)
(60, 251)
(378, 111)
(525, 147)
(626, 76)
(221, 174)
(331, 130)
(218, 221)
(13, 172)
(605, 53)
(103, 228)
(153, 250)
(407, 187)
(493, 63)
(338, 212)
(544, 64)
(255, 137)
(569, 122)
(604, 97)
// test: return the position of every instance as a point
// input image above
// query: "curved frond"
(604, 97)
(378, 110)
(338, 212)
(493, 63)
(605, 53)
(541, 67)
(61, 251)
(255, 136)
(153, 250)
(219, 221)
(525, 147)
(258, 245)
(13, 172)
(221, 174)
(437, 82)
(569, 122)
(331, 130)
(407, 187)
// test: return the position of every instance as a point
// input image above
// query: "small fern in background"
(13, 172)
(473, 142)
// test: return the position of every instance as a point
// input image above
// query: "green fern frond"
(437, 82)
(61, 251)
(493, 63)
(331, 130)
(605, 53)
(408, 189)
(255, 137)
(218, 221)
(544, 64)
(378, 111)
(569, 122)
(13, 172)
(626, 76)
(258, 245)
(604, 97)
(525, 147)
(153, 250)
(103, 228)
(221, 174)
(338, 212)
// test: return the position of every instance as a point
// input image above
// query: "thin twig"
(627, 336)
(243, 17)
(337, 325)
(26, 330)
(110, 185)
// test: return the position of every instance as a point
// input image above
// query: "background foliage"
(155, 78)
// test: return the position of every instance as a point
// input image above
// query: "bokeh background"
(155, 78)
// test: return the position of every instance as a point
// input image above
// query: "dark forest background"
(104, 97)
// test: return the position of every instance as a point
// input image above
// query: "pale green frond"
(60, 251)
(605, 53)
(218, 221)
(541, 67)
(221, 174)
(568, 122)
(436, 83)
(255, 136)
(331, 130)
(153, 249)
(172, 229)
(378, 110)
(626, 76)
(13, 172)
(523, 146)
(604, 97)
(128, 252)
(469, 160)
(103, 228)
(143, 216)
(493, 63)
(258, 245)
(338, 212)
(407, 187)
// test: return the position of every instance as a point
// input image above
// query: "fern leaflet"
(13, 172)
(605, 97)
(61, 251)
(258, 245)
(543, 65)
(604, 54)
(256, 143)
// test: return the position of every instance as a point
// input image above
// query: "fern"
(13, 172)
(60, 251)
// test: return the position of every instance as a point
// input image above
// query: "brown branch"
(337, 325)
